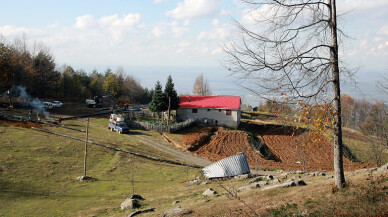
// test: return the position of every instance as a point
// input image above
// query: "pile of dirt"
(284, 143)
(197, 138)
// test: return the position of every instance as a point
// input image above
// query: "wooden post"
(86, 146)
(169, 104)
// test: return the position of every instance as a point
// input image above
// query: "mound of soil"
(284, 143)
(195, 139)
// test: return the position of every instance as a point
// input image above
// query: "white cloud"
(216, 51)
(158, 1)
(18, 31)
(219, 32)
(383, 31)
(85, 22)
(191, 9)
(157, 31)
(173, 29)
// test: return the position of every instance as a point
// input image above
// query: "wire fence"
(162, 128)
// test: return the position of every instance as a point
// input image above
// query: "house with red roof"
(213, 110)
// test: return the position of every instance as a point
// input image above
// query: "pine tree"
(171, 95)
(158, 103)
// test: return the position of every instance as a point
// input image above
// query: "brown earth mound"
(195, 139)
(283, 143)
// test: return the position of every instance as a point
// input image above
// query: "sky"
(151, 39)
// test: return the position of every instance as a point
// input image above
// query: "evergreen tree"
(158, 103)
(171, 93)
(172, 98)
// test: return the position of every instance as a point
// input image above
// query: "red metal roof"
(219, 102)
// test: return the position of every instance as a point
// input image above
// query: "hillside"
(39, 170)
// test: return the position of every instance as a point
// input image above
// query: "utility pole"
(86, 146)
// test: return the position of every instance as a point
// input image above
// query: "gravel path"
(176, 153)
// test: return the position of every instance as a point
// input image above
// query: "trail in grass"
(176, 153)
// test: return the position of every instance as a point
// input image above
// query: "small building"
(212, 110)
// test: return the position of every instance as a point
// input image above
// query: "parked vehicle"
(57, 104)
(120, 127)
(99, 101)
(47, 105)
(116, 123)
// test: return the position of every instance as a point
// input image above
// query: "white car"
(47, 105)
(57, 104)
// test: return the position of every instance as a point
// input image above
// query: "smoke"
(26, 100)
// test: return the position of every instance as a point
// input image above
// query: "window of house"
(219, 110)
(228, 112)
(208, 110)
(194, 110)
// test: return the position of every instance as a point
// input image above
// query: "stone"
(129, 204)
(274, 181)
(209, 192)
(244, 176)
(290, 180)
(284, 185)
(175, 202)
(251, 186)
(270, 177)
(85, 178)
(300, 183)
(194, 182)
(382, 168)
(204, 183)
(262, 183)
(296, 177)
(177, 211)
(136, 197)
(285, 174)
(299, 172)
(257, 179)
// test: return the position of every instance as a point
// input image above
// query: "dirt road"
(176, 153)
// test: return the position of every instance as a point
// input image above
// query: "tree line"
(34, 67)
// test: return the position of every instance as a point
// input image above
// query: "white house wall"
(214, 116)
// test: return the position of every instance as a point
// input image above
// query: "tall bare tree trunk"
(338, 152)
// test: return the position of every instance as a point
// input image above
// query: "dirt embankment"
(285, 143)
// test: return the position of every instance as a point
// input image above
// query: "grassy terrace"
(38, 172)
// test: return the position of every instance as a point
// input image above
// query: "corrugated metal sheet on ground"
(227, 167)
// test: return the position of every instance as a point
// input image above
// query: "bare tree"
(201, 86)
(291, 51)
(382, 84)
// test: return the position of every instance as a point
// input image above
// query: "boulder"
(129, 204)
(284, 185)
(209, 192)
(177, 211)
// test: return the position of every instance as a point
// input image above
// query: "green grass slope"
(38, 173)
